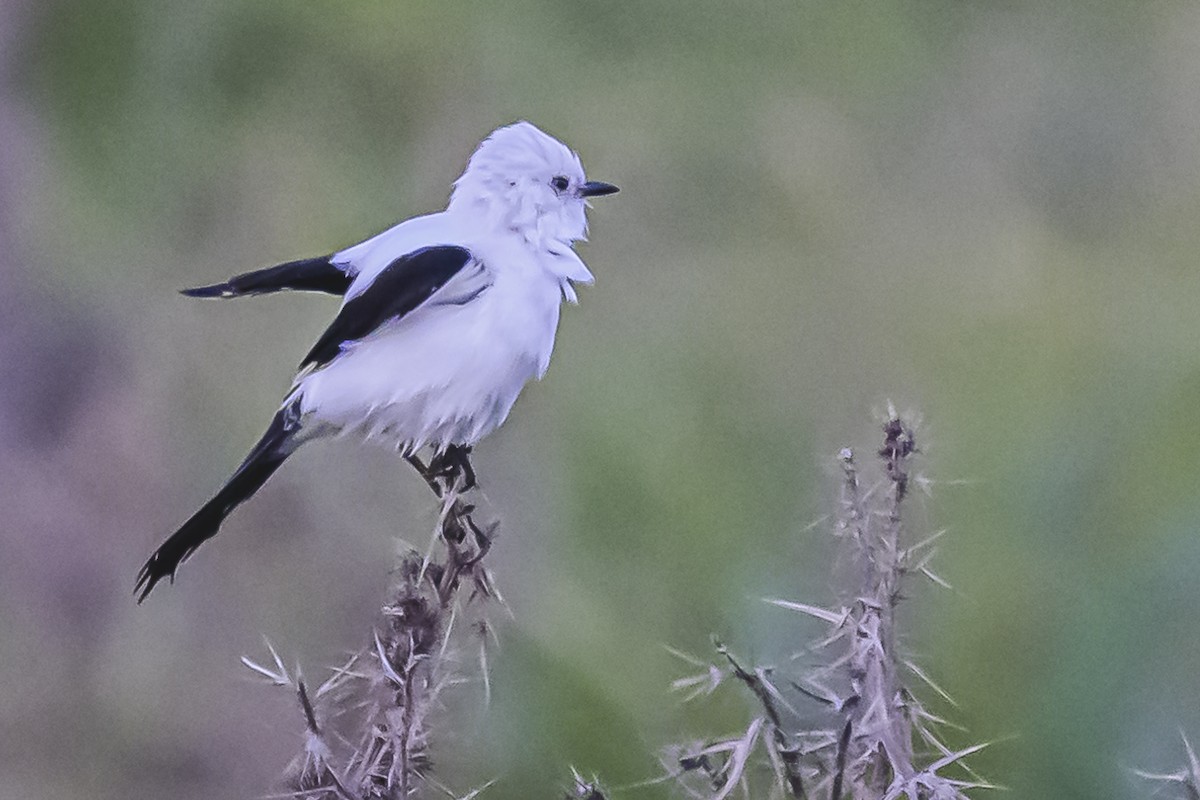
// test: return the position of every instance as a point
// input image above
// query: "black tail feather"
(305, 275)
(272, 450)
(215, 290)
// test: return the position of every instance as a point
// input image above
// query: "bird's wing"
(439, 275)
(306, 275)
(336, 273)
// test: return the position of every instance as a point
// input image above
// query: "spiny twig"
(1185, 781)
(583, 789)
(874, 739)
(782, 749)
(368, 727)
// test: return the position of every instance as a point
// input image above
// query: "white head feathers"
(526, 181)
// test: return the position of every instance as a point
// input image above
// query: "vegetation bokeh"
(986, 212)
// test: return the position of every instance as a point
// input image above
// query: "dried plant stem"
(873, 740)
(1184, 782)
(782, 747)
(368, 726)
(879, 745)
(583, 789)
(466, 542)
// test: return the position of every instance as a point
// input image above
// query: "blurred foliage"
(984, 211)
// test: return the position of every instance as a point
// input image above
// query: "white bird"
(446, 317)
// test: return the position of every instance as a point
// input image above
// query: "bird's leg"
(453, 462)
(449, 473)
(428, 473)
(461, 455)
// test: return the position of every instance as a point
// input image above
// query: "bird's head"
(528, 182)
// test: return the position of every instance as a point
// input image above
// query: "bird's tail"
(279, 442)
(306, 275)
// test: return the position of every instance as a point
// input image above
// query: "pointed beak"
(597, 189)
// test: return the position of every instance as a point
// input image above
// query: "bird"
(444, 319)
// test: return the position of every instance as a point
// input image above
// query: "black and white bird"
(446, 317)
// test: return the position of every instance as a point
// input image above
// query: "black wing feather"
(403, 285)
(305, 275)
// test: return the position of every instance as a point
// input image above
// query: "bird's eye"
(560, 183)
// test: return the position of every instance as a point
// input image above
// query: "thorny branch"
(1183, 783)
(872, 739)
(583, 789)
(880, 746)
(466, 541)
(770, 697)
(367, 726)
(367, 730)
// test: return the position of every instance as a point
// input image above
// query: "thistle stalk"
(368, 726)
(870, 737)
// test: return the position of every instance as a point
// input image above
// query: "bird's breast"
(442, 374)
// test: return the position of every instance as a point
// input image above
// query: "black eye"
(560, 183)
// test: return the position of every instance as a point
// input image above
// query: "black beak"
(597, 189)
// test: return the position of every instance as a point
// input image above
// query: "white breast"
(444, 374)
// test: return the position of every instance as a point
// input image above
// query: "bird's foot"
(454, 464)
(447, 471)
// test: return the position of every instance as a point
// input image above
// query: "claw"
(455, 462)
(448, 467)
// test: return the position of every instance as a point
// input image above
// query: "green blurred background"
(983, 211)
